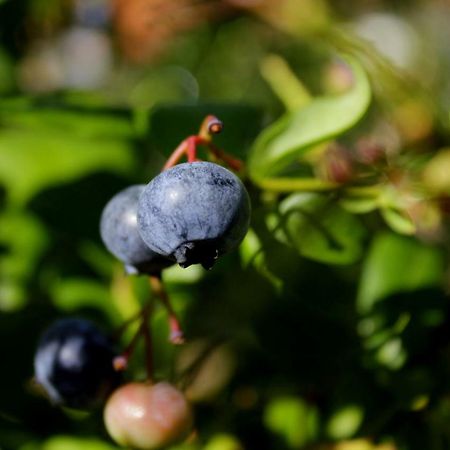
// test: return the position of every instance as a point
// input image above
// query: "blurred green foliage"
(336, 306)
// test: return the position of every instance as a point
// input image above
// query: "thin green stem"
(286, 184)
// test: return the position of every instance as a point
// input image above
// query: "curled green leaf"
(295, 133)
(319, 229)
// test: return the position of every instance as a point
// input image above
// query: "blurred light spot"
(41, 71)
(414, 120)
(223, 442)
(420, 402)
(436, 174)
(337, 78)
(293, 419)
(12, 297)
(86, 58)
(362, 444)
(392, 354)
(214, 367)
(80, 58)
(345, 422)
(168, 84)
(392, 37)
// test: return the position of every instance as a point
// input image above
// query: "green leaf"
(398, 220)
(71, 294)
(294, 134)
(73, 120)
(32, 160)
(293, 419)
(319, 229)
(75, 443)
(24, 239)
(6, 72)
(359, 205)
(397, 264)
(252, 253)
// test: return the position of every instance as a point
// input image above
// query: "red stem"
(176, 332)
(176, 155)
(120, 362)
(211, 125)
(191, 150)
(234, 163)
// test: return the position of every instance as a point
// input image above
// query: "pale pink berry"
(147, 417)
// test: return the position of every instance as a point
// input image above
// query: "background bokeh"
(329, 329)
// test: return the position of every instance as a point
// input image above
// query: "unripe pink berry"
(148, 417)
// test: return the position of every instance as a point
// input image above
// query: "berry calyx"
(147, 417)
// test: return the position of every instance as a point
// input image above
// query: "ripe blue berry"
(193, 213)
(74, 364)
(118, 229)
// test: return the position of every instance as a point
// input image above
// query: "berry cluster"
(191, 213)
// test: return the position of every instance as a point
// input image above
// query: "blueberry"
(118, 229)
(74, 364)
(193, 213)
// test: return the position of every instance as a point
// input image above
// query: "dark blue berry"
(193, 213)
(118, 229)
(74, 364)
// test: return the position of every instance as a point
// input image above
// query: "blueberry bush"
(224, 224)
